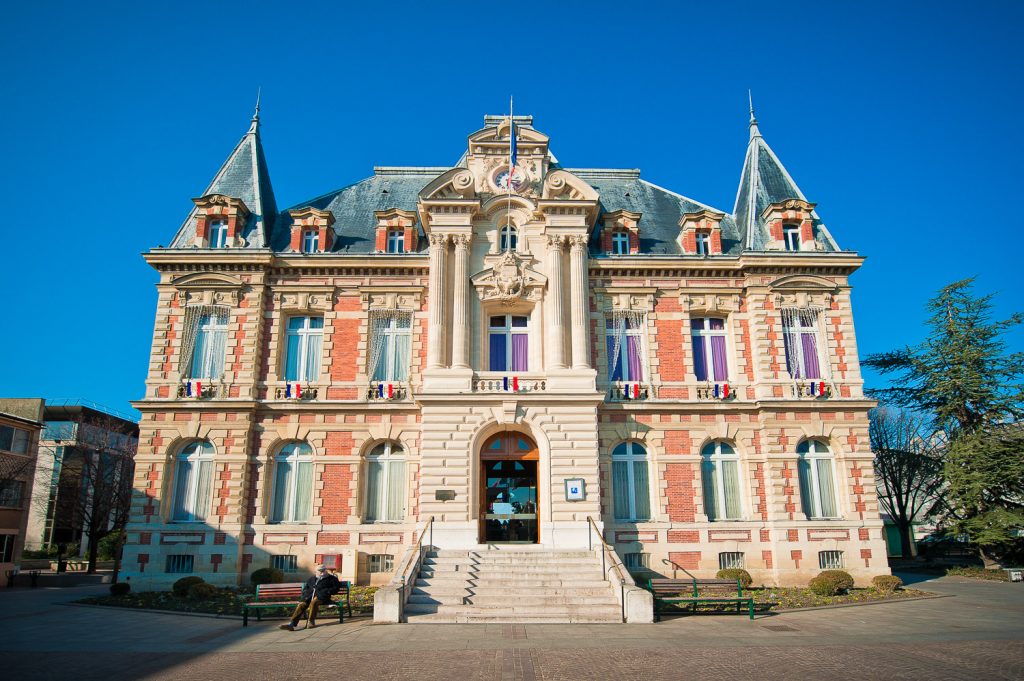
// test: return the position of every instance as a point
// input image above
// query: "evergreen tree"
(962, 376)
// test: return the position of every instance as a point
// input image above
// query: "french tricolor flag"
(818, 388)
(382, 391)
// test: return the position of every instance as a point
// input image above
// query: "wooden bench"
(671, 590)
(288, 594)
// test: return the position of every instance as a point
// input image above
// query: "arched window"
(620, 243)
(817, 481)
(631, 486)
(508, 238)
(720, 471)
(385, 483)
(192, 476)
(293, 484)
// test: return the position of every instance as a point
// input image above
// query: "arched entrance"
(508, 490)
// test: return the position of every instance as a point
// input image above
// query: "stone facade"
(458, 269)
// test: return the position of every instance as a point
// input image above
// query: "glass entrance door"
(510, 501)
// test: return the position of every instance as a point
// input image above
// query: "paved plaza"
(976, 632)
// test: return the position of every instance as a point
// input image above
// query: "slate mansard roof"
(763, 181)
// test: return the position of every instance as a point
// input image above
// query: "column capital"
(462, 241)
(556, 242)
(438, 239)
(578, 241)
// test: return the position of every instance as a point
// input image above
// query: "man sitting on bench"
(317, 591)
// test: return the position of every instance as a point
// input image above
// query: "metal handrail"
(414, 555)
(617, 565)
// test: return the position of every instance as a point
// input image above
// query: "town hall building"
(535, 357)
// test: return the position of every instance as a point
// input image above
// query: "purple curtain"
(700, 365)
(498, 352)
(721, 367)
(520, 356)
(810, 348)
(616, 372)
(636, 373)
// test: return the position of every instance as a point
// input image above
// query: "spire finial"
(754, 132)
(256, 114)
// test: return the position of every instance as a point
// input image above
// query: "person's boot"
(287, 627)
(311, 625)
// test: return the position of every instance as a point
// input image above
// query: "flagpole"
(511, 170)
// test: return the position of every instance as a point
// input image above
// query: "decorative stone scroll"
(724, 302)
(320, 299)
(208, 288)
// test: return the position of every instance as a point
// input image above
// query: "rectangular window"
(381, 562)
(800, 335)
(285, 563)
(710, 360)
(830, 560)
(509, 343)
(730, 560)
(310, 241)
(703, 243)
(304, 339)
(205, 341)
(14, 439)
(218, 234)
(624, 337)
(7, 547)
(390, 345)
(180, 565)
(636, 561)
(11, 493)
(620, 243)
(396, 241)
(385, 490)
(791, 236)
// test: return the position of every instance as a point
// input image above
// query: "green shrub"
(182, 586)
(120, 589)
(824, 585)
(266, 576)
(110, 546)
(736, 573)
(887, 583)
(202, 591)
(842, 577)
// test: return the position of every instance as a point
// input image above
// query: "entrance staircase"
(512, 585)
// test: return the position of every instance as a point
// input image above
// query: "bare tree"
(908, 468)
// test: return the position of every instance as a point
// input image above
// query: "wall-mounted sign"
(575, 489)
(444, 495)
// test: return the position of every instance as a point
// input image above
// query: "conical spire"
(244, 175)
(764, 181)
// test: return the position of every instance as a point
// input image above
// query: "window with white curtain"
(710, 357)
(293, 483)
(631, 486)
(385, 484)
(218, 234)
(390, 343)
(624, 337)
(204, 341)
(800, 335)
(720, 472)
(192, 482)
(305, 337)
(817, 480)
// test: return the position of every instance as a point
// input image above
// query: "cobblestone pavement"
(976, 633)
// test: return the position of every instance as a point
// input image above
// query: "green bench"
(288, 594)
(700, 591)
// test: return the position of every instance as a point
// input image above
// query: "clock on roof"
(502, 178)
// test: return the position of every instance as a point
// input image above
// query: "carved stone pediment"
(391, 297)
(561, 184)
(803, 290)
(300, 299)
(208, 288)
(457, 183)
(509, 281)
(714, 303)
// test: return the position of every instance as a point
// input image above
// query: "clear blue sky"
(901, 120)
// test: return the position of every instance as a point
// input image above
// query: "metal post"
(622, 586)
(431, 533)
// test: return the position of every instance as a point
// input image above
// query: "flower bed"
(969, 572)
(225, 601)
(777, 599)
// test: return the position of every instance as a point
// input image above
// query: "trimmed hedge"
(120, 589)
(736, 573)
(202, 591)
(182, 586)
(266, 576)
(887, 583)
(841, 576)
(831, 583)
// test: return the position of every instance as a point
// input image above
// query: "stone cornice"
(820, 263)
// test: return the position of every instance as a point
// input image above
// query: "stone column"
(556, 315)
(579, 303)
(460, 314)
(438, 277)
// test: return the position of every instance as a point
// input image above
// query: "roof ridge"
(681, 196)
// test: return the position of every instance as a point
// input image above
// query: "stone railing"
(508, 383)
(198, 389)
(715, 392)
(303, 394)
(815, 390)
(387, 391)
(630, 392)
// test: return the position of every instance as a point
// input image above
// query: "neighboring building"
(81, 440)
(20, 423)
(427, 344)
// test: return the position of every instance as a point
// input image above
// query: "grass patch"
(967, 571)
(225, 601)
(777, 599)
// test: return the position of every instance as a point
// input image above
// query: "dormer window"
(396, 241)
(218, 234)
(620, 243)
(508, 238)
(703, 243)
(791, 237)
(310, 241)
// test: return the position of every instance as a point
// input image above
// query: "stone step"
(606, 611)
(567, 563)
(557, 553)
(498, 600)
(509, 583)
(513, 569)
(503, 591)
(483, 618)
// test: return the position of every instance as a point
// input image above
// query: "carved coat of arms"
(508, 278)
